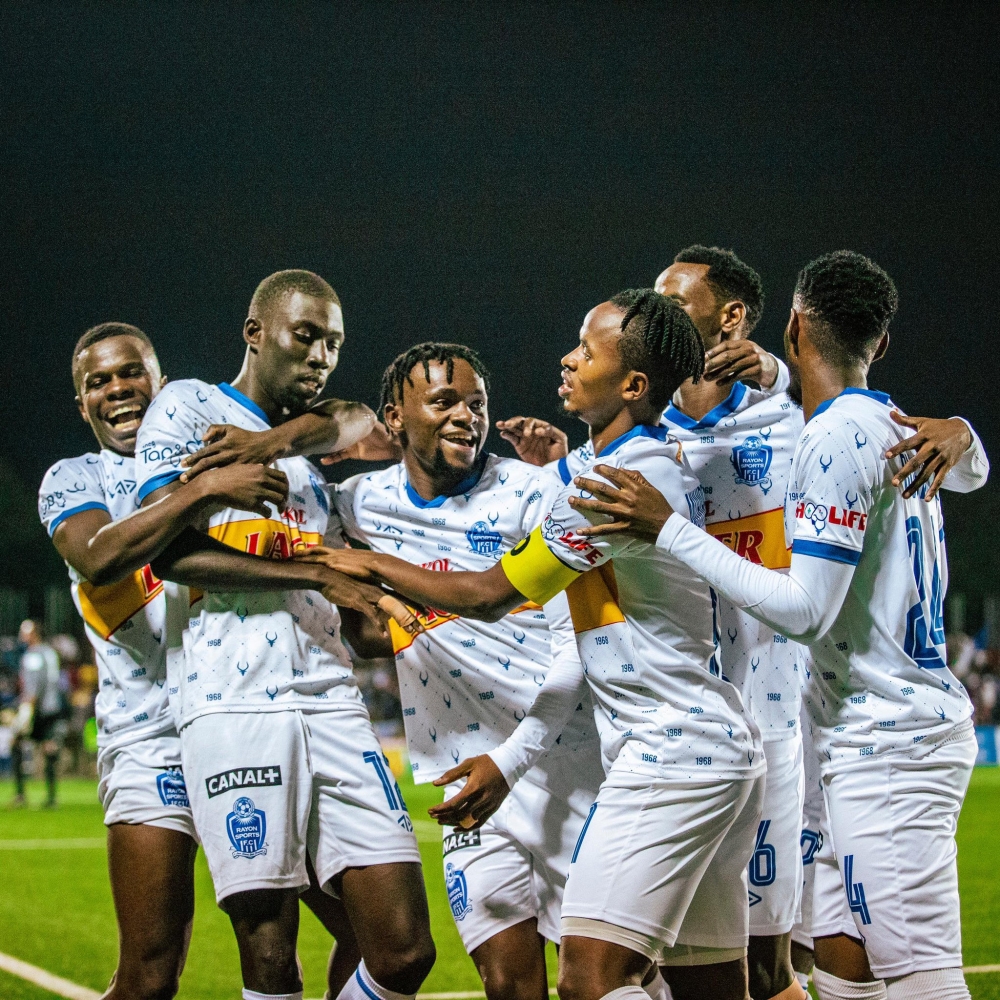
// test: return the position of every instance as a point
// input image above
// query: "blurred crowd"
(976, 663)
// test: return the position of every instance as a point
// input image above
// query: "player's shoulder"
(88, 466)
(353, 491)
(852, 416)
(177, 402)
(516, 474)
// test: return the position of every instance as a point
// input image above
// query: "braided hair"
(852, 299)
(658, 339)
(399, 371)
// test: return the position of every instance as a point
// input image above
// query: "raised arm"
(948, 455)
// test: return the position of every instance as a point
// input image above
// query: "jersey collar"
(245, 401)
(465, 486)
(879, 397)
(640, 430)
(729, 405)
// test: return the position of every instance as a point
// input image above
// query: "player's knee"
(504, 983)
(403, 969)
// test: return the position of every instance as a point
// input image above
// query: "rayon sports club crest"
(247, 828)
(752, 462)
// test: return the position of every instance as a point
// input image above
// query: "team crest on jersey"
(752, 462)
(173, 791)
(247, 827)
(458, 891)
(484, 541)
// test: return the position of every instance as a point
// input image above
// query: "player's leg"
(50, 748)
(511, 963)
(894, 824)
(803, 960)
(249, 785)
(152, 883)
(362, 844)
(345, 954)
(17, 766)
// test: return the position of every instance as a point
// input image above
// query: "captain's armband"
(534, 571)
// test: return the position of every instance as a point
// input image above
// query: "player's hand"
(245, 487)
(638, 507)
(371, 601)
(733, 360)
(359, 564)
(479, 799)
(938, 443)
(535, 441)
(379, 446)
(224, 444)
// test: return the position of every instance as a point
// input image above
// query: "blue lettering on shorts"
(173, 791)
(247, 828)
(458, 891)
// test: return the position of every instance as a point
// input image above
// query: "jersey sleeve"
(836, 479)
(972, 469)
(171, 429)
(344, 497)
(70, 488)
(572, 464)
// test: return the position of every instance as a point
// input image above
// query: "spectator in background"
(41, 713)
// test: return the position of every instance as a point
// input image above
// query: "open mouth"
(465, 441)
(567, 387)
(125, 416)
(313, 385)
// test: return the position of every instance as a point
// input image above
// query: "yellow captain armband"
(534, 571)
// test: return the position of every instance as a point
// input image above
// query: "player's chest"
(120, 492)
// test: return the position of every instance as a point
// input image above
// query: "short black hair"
(276, 286)
(730, 279)
(659, 339)
(102, 332)
(399, 371)
(853, 299)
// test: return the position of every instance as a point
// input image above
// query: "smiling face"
(442, 425)
(119, 376)
(297, 345)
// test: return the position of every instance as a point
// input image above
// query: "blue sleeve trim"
(151, 485)
(564, 471)
(826, 550)
(93, 505)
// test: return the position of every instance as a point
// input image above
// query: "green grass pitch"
(56, 911)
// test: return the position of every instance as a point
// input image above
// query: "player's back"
(261, 651)
(880, 681)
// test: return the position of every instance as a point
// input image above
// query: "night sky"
(482, 174)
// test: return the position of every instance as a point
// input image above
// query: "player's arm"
(536, 442)
(330, 426)
(735, 360)
(104, 551)
(948, 455)
(802, 603)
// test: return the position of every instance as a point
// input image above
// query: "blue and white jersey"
(466, 684)
(647, 631)
(268, 651)
(879, 682)
(124, 621)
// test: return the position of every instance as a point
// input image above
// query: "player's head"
(841, 311)
(294, 332)
(30, 633)
(116, 374)
(434, 399)
(723, 296)
(635, 350)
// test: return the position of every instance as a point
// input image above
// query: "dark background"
(483, 174)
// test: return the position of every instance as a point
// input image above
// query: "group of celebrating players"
(609, 696)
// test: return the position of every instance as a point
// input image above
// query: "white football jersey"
(465, 684)
(879, 681)
(741, 453)
(254, 652)
(646, 631)
(124, 621)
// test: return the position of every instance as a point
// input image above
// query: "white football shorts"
(894, 884)
(663, 863)
(266, 787)
(775, 870)
(142, 783)
(515, 867)
(815, 834)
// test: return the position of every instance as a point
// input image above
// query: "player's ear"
(80, 407)
(393, 418)
(252, 333)
(792, 334)
(883, 346)
(636, 386)
(731, 318)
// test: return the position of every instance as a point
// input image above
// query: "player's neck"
(251, 386)
(696, 399)
(620, 424)
(822, 381)
(431, 483)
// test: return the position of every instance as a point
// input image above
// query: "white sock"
(254, 995)
(829, 987)
(627, 993)
(657, 987)
(803, 978)
(941, 984)
(361, 986)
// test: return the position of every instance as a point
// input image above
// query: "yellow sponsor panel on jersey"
(757, 537)
(430, 619)
(105, 609)
(262, 536)
(534, 571)
(593, 599)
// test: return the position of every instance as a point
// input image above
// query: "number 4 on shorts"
(855, 891)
